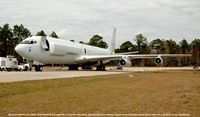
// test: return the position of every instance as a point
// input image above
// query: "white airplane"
(47, 50)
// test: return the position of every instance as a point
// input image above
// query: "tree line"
(10, 37)
(156, 46)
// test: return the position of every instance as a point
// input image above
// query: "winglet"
(112, 43)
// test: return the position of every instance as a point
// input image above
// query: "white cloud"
(81, 19)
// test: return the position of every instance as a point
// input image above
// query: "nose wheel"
(38, 68)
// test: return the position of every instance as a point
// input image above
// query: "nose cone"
(21, 49)
(18, 49)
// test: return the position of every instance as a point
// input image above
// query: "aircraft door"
(85, 51)
(44, 43)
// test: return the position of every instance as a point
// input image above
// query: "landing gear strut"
(30, 62)
(101, 66)
(38, 68)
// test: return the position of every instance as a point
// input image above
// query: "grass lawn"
(141, 92)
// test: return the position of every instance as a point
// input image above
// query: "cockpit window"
(28, 42)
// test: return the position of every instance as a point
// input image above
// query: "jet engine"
(158, 60)
(125, 61)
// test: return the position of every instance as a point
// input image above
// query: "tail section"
(112, 43)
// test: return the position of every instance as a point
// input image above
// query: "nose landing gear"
(38, 68)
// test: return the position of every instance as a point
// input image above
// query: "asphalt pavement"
(55, 72)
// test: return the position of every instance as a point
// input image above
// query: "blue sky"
(81, 19)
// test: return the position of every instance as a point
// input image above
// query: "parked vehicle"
(24, 67)
(10, 63)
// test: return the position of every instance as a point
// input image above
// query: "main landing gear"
(100, 66)
(73, 67)
(86, 67)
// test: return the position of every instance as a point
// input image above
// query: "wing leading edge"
(87, 58)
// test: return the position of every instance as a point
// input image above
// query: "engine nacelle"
(158, 60)
(125, 61)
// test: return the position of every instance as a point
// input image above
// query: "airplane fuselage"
(57, 51)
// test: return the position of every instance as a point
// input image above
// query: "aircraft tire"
(87, 67)
(38, 68)
(100, 68)
(26, 68)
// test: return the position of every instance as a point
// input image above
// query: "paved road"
(53, 73)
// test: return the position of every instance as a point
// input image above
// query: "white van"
(8, 63)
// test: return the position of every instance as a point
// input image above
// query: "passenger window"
(28, 42)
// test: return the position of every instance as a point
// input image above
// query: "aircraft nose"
(18, 49)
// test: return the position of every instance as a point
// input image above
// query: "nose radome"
(18, 49)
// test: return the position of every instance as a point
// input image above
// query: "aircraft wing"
(85, 58)
(139, 56)
(97, 58)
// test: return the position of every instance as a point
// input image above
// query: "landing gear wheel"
(87, 67)
(26, 68)
(101, 68)
(38, 68)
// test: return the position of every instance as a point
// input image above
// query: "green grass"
(142, 92)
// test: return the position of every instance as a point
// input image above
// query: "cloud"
(80, 20)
